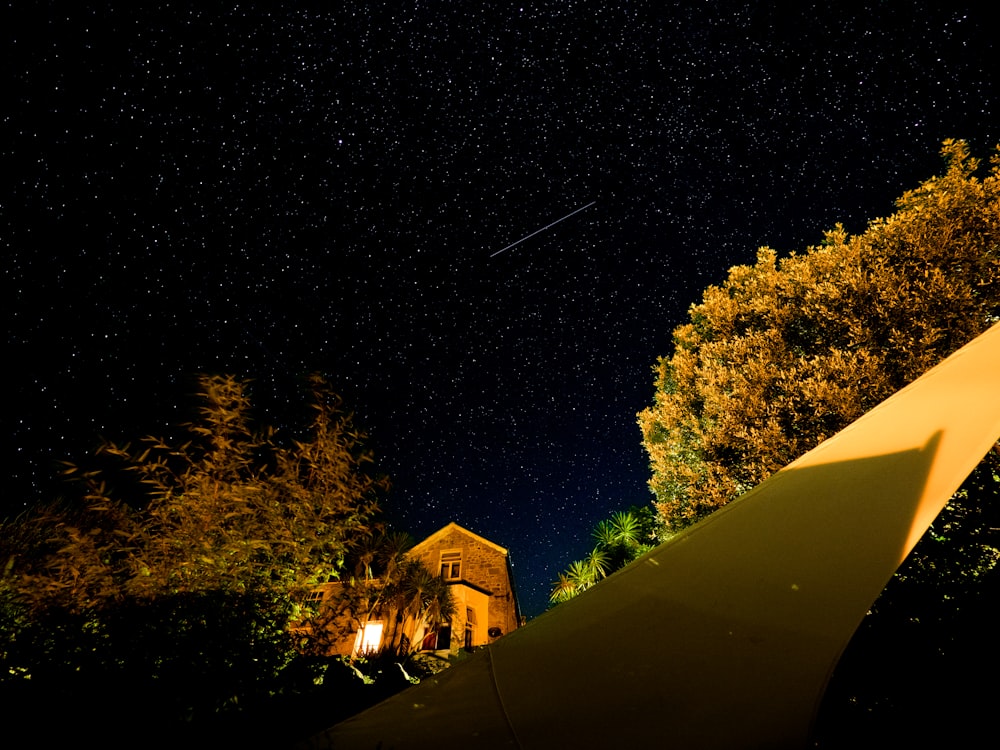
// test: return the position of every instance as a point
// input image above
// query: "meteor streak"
(547, 226)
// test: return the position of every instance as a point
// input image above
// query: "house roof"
(443, 532)
(743, 616)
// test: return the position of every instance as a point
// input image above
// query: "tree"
(229, 509)
(787, 352)
(619, 540)
(169, 586)
(381, 583)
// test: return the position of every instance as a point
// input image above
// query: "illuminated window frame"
(368, 639)
(470, 624)
(313, 600)
(451, 565)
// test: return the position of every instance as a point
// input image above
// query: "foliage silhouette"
(162, 597)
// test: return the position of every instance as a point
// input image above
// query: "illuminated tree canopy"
(786, 352)
(230, 508)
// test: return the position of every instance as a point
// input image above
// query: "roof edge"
(455, 527)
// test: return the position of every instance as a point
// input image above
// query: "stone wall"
(484, 567)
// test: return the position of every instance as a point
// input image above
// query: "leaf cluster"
(618, 540)
(787, 352)
(380, 582)
(231, 508)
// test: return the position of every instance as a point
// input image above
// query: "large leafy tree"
(786, 352)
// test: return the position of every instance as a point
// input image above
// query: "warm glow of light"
(369, 638)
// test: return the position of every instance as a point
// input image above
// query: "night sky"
(271, 189)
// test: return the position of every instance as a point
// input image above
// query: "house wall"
(336, 636)
(484, 584)
(467, 597)
(483, 566)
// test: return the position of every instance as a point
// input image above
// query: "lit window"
(451, 565)
(369, 638)
(312, 600)
(470, 623)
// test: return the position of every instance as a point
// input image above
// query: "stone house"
(479, 576)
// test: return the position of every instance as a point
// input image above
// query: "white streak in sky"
(547, 226)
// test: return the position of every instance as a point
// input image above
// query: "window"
(470, 622)
(369, 638)
(451, 565)
(312, 600)
(439, 638)
(430, 642)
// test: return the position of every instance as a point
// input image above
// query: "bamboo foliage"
(232, 508)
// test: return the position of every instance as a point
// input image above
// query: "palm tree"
(580, 576)
(379, 566)
(605, 534)
(627, 528)
(619, 539)
(597, 563)
(417, 595)
(563, 590)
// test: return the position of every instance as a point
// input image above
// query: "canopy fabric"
(725, 636)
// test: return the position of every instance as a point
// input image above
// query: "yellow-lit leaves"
(786, 352)
(229, 509)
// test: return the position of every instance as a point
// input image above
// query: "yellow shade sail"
(725, 636)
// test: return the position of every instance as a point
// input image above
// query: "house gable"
(454, 531)
(481, 583)
(484, 567)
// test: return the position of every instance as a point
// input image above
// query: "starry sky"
(271, 189)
